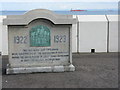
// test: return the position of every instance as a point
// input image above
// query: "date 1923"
(60, 38)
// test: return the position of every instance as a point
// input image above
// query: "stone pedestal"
(39, 41)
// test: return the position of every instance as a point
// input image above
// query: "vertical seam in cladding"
(70, 45)
(107, 33)
(77, 34)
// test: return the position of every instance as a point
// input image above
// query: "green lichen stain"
(40, 36)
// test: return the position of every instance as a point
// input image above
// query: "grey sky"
(58, 5)
(59, 0)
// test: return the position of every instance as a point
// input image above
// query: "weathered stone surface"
(39, 41)
(40, 69)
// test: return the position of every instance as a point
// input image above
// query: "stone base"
(39, 69)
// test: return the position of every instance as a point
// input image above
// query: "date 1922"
(20, 39)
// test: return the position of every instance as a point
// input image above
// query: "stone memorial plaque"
(39, 41)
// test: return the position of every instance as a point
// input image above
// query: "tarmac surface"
(99, 70)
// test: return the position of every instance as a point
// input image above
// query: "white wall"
(74, 36)
(0, 34)
(113, 33)
(3, 37)
(92, 33)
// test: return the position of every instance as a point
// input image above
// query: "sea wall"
(98, 32)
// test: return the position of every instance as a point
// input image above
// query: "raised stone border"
(39, 69)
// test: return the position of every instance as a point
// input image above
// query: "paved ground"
(0, 71)
(92, 71)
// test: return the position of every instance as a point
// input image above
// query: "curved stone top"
(36, 14)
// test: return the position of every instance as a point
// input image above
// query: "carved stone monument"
(39, 41)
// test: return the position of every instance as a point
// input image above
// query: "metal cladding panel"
(3, 37)
(112, 17)
(92, 18)
(74, 36)
(92, 33)
(113, 33)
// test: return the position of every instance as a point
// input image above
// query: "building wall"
(74, 36)
(3, 37)
(0, 34)
(89, 33)
(113, 33)
(92, 33)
